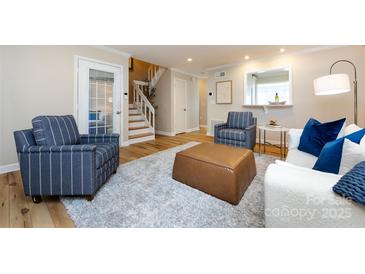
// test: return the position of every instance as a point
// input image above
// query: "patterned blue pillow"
(352, 184)
(316, 134)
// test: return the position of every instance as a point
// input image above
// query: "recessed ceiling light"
(247, 57)
(282, 50)
(189, 59)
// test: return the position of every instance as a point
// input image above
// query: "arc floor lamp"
(336, 84)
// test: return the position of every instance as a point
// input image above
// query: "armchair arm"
(99, 138)
(294, 137)
(217, 128)
(59, 170)
(302, 197)
(251, 136)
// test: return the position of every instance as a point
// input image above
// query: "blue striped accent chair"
(55, 160)
(239, 130)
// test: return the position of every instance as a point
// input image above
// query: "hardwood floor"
(16, 210)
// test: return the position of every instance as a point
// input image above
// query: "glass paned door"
(99, 107)
(100, 102)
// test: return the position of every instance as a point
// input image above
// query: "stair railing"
(142, 103)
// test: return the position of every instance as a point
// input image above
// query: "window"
(271, 87)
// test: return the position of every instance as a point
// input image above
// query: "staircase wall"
(164, 101)
(139, 72)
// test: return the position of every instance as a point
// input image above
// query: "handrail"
(142, 103)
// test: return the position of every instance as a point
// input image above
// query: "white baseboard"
(125, 143)
(193, 129)
(165, 133)
(9, 168)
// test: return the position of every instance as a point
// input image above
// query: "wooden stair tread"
(134, 114)
(135, 121)
(135, 128)
(139, 135)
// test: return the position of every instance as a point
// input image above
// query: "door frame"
(77, 59)
(186, 104)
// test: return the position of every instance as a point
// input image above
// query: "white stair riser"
(136, 117)
(140, 131)
(137, 124)
(134, 111)
(142, 139)
(131, 105)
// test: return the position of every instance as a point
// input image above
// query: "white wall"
(305, 68)
(40, 80)
(163, 101)
(203, 97)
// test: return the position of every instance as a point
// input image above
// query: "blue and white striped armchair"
(239, 130)
(55, 160)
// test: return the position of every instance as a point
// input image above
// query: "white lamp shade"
(332, 84)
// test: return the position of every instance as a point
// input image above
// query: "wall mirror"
(268, 87)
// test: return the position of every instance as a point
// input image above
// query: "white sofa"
(298, 196)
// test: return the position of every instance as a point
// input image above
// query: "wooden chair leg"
(90, 198)
(36, 199)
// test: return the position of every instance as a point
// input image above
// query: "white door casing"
(180, 105)
(81, 112)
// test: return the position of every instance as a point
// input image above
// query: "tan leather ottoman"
(222, 171)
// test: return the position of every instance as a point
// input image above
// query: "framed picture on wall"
(223, 92)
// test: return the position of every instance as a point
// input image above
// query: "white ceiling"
(204, 57)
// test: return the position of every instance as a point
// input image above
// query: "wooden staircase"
(141, 125)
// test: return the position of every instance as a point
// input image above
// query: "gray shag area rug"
(143, 194)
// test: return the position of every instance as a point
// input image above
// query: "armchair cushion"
(239, 120)
(55, 130)
(232, 134)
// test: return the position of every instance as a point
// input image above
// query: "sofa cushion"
(239, 120)
(316, 134)
(352, 154)
(352, 184)
(330, 158)
(104, 152)
(351, 129)
(300, 158)
(55, 130)
(232, 134)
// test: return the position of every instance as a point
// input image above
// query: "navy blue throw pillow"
(352, 184)
(316, 134)
(329, 159)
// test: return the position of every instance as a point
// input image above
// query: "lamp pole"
(355, 85)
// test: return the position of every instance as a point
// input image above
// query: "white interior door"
(99, 95)
(180, 91)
